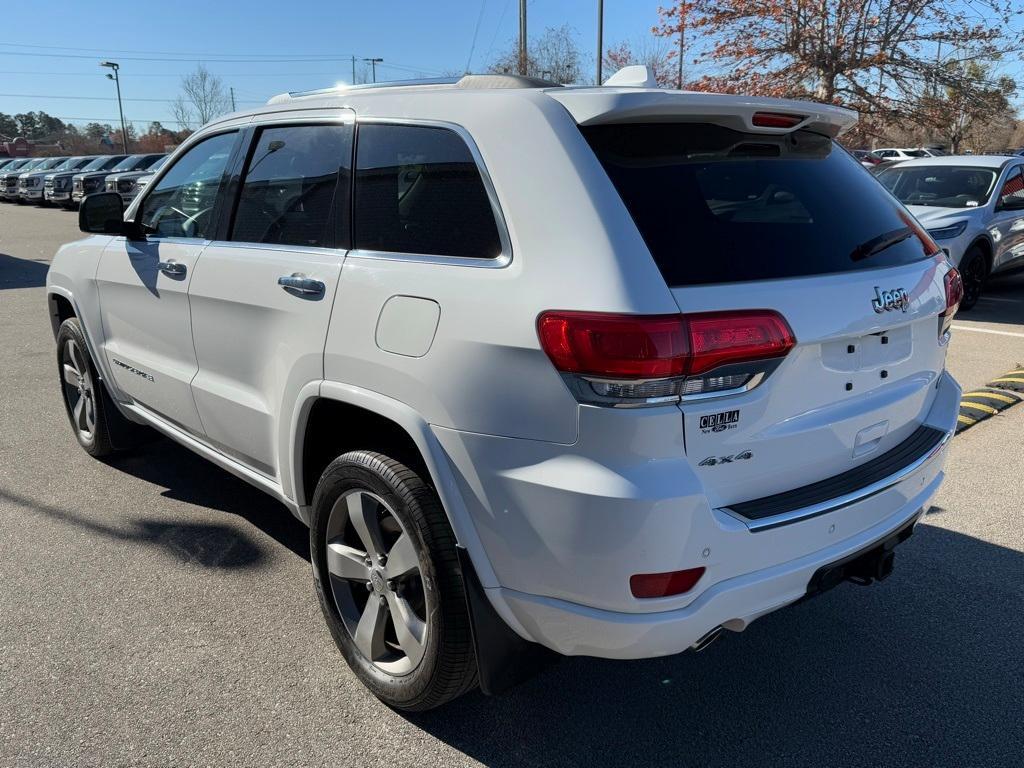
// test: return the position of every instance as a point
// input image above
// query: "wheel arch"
(61, 308)
(334, 418)
(984, 241)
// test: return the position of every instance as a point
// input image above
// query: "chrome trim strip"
(832, 505)
(755, 380)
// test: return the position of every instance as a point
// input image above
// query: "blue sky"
(52, 49)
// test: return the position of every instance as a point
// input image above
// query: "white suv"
(597, 371)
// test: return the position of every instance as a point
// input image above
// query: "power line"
(278, 73)
(103, 98)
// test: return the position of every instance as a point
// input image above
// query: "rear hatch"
(787, 221)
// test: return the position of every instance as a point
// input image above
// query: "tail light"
(664, 584)
(954, 295)
(613, 359)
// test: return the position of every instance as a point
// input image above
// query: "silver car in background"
(973, 206)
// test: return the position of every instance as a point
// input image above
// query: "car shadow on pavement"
(22, 273)
(922, 670)
(190, 478)
(204, 544)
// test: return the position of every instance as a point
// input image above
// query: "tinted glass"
(1012, 192)
(418, 190)
(944, 186)
(96, 163)
(181, 204)
(720, 206)
(288, 194)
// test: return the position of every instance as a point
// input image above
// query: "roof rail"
(466, 81)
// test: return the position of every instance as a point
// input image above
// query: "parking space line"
(988, 330)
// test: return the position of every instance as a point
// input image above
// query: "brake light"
(954, 295)
(721, 338)
(615, 346)
(775, 120)
(644, 357)
(664, 584)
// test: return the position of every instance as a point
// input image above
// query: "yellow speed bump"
(981, 404)
(1011, 380)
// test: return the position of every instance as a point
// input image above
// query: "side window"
(419, 191)
(1012, 193)
(181, 203)
(291, 179)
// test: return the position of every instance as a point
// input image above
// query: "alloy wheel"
(377, 582)
(974, 279)
(79, 389)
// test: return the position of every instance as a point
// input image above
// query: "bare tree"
(203, 98)
(657, 54)
(553, 56)
(877, 56)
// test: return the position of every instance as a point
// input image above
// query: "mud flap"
(503, 658)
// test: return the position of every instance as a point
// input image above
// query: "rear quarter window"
(715, 205)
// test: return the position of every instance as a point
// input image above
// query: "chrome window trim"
(504, 257)
(833, 505)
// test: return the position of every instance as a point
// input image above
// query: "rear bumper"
(564, 527)
(575, 630)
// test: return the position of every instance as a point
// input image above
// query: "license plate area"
(866, 353)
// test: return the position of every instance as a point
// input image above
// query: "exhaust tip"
(707, 639)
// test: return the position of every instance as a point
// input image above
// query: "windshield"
(66, 164)
(942, 186)
(716, 205)
(131, 163)
(96, 163)
(159, 163)
(52, 162)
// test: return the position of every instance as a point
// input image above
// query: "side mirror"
(103, 214)
(1010, 204)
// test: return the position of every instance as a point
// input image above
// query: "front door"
(261, 299)
(143, 284)
(1007, 227)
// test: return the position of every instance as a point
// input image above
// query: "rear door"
(262, 294)
(786, 222)
(143, 284)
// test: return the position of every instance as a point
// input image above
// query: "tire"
(974, 270)
(80, 383)
(364, 496)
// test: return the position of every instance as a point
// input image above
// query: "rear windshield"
(716, 205)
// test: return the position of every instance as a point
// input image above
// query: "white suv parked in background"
(597, 371)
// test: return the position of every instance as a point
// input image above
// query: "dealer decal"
(719, 422)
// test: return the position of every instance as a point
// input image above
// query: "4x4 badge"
(887, 301)
(712, 461)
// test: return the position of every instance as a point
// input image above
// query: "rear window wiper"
(878, 244)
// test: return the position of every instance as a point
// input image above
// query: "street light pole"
(523, 55)
(600, 38)
(117, 82)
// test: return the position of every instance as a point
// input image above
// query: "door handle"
(172, 268)
(299, 283)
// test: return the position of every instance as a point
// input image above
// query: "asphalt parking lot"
(156, 610)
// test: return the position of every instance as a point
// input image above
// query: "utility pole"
(373, 67)
(600, 38)
(682, 41)
(522, 37)
(113, 65)
(233, 108)
(353, 70)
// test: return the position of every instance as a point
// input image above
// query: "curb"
(995, 397)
